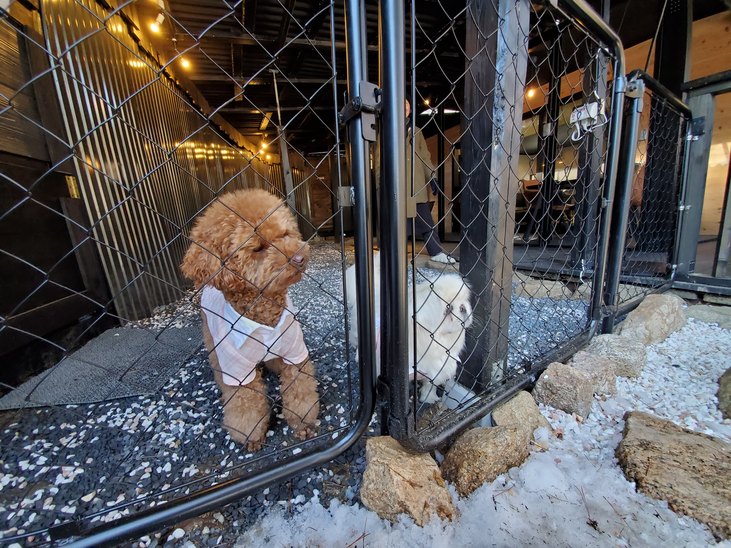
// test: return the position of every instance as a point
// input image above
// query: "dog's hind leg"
(300, 401)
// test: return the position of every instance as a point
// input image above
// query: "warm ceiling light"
(269, 157)
(156, 25)
(184, 63)
(531, 93)
(264, 145)
(426, 102)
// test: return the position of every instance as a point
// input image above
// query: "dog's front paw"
(305, 432)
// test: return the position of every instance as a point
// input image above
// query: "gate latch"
(367, 105)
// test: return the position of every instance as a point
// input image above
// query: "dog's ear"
(200, 262)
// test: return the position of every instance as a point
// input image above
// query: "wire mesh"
(133, 123)
(655, 194)
(507, 147)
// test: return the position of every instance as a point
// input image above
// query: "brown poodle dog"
(246, 252)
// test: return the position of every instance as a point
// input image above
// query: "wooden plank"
(43, 320)
(86, 254)
(494, 44)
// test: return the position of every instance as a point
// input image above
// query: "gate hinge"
(366, 105)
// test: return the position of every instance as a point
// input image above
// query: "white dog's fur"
(443, 312)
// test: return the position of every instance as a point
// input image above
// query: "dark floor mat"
(121, 362)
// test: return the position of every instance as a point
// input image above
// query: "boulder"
(397, 481)
(565, 387)
(520, 411)
(601, 369)
(480, 455)
(654, 319)
(724, 394)
(720, 315)
(691, 471)
(629, 356)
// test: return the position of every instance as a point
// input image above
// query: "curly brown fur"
(247, 245)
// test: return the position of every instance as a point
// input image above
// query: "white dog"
(443, 312)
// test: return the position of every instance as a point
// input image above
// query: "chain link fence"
(649, 194)
(174, 179)
(510, 159)
(139, 136)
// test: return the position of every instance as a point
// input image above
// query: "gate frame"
(215, 496)
(637, 82)
(394, 355)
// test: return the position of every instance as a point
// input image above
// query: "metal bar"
(393, 193)
(715, 83)
(620, 213)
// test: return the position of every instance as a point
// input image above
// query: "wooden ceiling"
(236, 50)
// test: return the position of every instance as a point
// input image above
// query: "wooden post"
(497, 55)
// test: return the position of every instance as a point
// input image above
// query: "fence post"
(395, 365)
(497, 54)
(620, 212)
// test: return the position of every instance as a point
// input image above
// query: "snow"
(571, 491)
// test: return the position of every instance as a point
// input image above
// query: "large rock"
(397, 482)
(520, 411)
(654, 319)
(720, 315)
(601, 369)
(565, 387)
(629, 356)
(480, 455)
(691, 471)
(724, 394)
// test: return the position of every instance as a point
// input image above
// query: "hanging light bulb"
(184, 63)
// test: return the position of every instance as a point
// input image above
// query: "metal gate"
(494, 203)
(519, 97)
(649, 192)
(115, 143)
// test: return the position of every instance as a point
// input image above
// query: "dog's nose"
(298, 259)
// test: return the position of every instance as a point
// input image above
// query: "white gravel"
(571, 491)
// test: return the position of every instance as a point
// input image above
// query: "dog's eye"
(463, 309)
